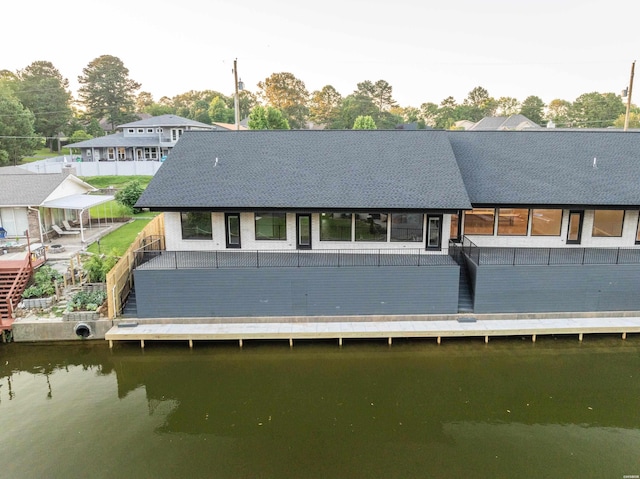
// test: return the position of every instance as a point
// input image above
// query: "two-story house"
(150, 139)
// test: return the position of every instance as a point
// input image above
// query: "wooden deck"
(290, 331)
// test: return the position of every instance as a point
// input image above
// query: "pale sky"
(427, 50)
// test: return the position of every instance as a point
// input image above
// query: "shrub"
(128, 196)
(97, 267)
(44, 283)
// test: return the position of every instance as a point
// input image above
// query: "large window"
(371, 227)
(407, 227)
(335, 226)
(513, 221)
(196, 225)
(271, 226)
(607, 223)
(546, 222)
(479, 221)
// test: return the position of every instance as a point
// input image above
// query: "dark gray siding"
(296, 291)
(580, 288)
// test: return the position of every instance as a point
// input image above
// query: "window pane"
(335, 227)
(196, 225)
(638, 231)
(233, 230)
(271, 226)
(513, 221)
(371, 227)
(433, 232)
(406, 227)
(607, 222)
(479, 221)
(546, 222)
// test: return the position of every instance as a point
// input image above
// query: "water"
(553, 409)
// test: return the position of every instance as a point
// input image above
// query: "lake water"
(554, 409)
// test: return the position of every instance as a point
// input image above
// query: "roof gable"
(165, 120)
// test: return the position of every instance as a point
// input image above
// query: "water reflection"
(553, 409)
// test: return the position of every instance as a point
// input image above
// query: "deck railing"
(482, 255)
(288, 259)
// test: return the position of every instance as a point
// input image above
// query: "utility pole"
(237, 98)
(626, 116)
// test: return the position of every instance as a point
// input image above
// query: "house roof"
(314, 170)
(118, 140)
(165, 120)
(549, 167)
(30, 189)
(512, 122)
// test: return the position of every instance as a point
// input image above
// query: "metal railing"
(482, 255)
(288, 259)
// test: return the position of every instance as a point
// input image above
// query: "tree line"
(36, 103)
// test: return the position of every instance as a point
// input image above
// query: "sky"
(426, 50)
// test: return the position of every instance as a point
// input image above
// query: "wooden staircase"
(14, 276)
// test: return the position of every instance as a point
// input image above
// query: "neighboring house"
(34, 202)
(150, 139)
(335, 223)
(512, 122)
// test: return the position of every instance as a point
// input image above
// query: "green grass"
(119, 240)
(115, 181)
(44, 153)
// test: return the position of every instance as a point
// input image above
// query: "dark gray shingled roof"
(311, 170)
(548, 167)
(118, 140)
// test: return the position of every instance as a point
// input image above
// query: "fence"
(94, 168)
(120, 279)
(548, 256)
(287, 259)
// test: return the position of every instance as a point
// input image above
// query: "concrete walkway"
(463, 327)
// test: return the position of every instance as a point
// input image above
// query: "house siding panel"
(579, 288)
(297, 291)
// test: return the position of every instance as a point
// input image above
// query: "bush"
(97, 267)
(44, 283)
(128, 196)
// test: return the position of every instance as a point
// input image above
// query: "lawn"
(115, 181)
(119, 240)
(44, 153)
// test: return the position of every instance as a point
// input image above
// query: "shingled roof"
(549, 167)
(309, 170)
(19, 187)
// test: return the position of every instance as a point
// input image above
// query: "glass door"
(574, 232)
(434, 231)
(232, 227)
(303, 226)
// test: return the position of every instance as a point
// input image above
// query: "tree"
(143, 101)
(129, 195)
(364, 123)
(480, 104)
(596, 110)
(558, 112)
(533, 108)
(324, 107)
(17, 138)
(220, 112)
(43, 90)
(429, 114)
(248, 102)
(352, 107)
(267, 118)
(107, 91)
(79, 135)
(288, 94)
(507, 106)
(634, 119)
(380, 92)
